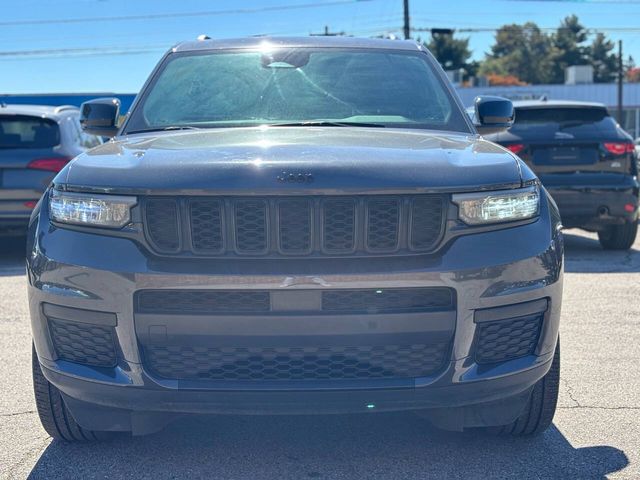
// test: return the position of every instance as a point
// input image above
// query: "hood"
(321, 159)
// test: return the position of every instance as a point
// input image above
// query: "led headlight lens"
(109, 211)
(495, 207)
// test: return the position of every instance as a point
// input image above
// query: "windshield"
(23, 131)
(297, 85)
(578, 121)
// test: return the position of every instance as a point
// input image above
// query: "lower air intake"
(83, 343)
(507, 339)
(294, 363)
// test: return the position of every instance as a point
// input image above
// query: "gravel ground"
(596, 432)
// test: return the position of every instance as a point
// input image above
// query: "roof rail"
(62, 108)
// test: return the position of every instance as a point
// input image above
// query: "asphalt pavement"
(596, 432)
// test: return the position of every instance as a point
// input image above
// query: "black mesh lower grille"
(392, 300)
(295, 363)
(507, 339)
(387, 300)
(203, 301)
(83, 343)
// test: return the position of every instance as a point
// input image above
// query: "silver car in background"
(36, 142)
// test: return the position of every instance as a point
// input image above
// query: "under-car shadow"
(583, 254)
(389, 446)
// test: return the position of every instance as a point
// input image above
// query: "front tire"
(54, 414)
(618, 237)
(538, 414)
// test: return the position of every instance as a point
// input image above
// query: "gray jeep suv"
(304, 225)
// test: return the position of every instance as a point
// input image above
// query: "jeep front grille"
(294, 226)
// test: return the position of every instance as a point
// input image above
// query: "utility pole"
(620, 78)
(407, 24)
(327, 33)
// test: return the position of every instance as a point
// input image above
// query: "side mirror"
(493, 114)
(100, 116)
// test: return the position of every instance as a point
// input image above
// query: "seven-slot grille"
(294, 226)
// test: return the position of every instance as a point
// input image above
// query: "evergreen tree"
(452, 53)
(569, 48)
(603, 59)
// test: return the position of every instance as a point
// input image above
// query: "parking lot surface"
(596, 433)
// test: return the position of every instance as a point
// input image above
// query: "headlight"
(109, 211)
(495, 207)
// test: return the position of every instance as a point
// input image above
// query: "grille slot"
(295, 226)
(161, 220)
(83, 343)
(426, 222)
(383, 222)
(507, 339)
(339, 225)
(203, 301)
(206, 225)
(295, 363)
(391, 300)
(251, 226)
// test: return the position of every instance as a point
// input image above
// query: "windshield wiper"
(164, 129)
(326, 123)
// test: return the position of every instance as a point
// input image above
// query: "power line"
(133, 49)
(57, 52)
(493, 29)
(272, 8)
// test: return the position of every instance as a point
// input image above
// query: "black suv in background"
(585, 160)
(36, 142)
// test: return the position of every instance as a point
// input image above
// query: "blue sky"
(45, 46)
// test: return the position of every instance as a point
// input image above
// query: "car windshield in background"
(22, 131)
(329, 87)
(581, 121)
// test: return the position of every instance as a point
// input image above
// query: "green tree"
(523, 51)
(603, 58)
(452, 53)
(569, 49)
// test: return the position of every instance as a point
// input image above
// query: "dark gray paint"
(491, 267)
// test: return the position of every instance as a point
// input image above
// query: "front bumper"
(488, 271)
